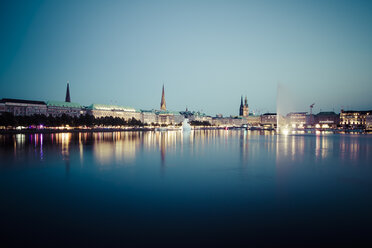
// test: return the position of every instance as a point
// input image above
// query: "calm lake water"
(171, 189)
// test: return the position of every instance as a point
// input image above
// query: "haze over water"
(211, 188)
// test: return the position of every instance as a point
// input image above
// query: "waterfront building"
(296, 119)
(326, 120)
(268, 120)
(57, 108)
(253, 120)
(244, 109)
(369, 122)
(103, 110)
(354, 119)
(20, 107)
(148, 117)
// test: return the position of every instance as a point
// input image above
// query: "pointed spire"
(162, 103)
(67, 99)
(246, 101)
(241, 101)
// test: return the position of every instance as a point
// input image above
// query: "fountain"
(284, 105)
(186, 126)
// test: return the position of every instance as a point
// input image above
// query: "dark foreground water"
(202, 189)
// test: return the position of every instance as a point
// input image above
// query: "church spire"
(241, 101)
(162, 103)
(68, 93)
(246, 101)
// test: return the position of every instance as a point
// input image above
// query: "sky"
(206, 53)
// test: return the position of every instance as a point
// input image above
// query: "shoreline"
(147, 129)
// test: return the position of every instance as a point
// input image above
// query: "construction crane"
(311, 108)
(311, 114)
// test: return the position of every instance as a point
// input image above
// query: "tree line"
(9, 120)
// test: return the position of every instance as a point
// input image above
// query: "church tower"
(68, 93)
(241, 107)
(244, 109)
(162, 103)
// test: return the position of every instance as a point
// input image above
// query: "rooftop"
(63, 104)
(106, 107)
(5, 100)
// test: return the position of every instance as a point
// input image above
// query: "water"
(195, 189)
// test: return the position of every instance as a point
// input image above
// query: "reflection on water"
(122, 148)
(222, 187)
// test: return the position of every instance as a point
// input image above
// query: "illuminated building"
(296, 119)
(56, 108)
(353, 118)
(269, 120)
(103, 110)
(327, 120)
(244, 109)
(369, 122)
(20, 107)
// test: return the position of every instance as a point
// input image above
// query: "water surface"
(211, 188)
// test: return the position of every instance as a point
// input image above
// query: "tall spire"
(246, 101)
(162, 103)
(68, 93)
(241, 101)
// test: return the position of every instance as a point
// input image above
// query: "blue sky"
(207, 53)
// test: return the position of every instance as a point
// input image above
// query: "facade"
(253, 120)
(296, 119)
(269, 120)
(56, 108)
(148, 117)
(354, 119)
(103, 110)
(244, 109)
(19, 107)
(326, 120)
(369, 122)
(228, 121)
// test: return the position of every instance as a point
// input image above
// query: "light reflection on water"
(124, 147)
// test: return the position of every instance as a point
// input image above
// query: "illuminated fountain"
(186, 127)
(284, 105)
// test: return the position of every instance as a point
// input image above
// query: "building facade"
(103, 110)
(19, 107)
(326, 120)
(354, 119)
(269, 120)
(296, 119)
(56, 108)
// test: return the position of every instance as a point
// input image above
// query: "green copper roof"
(95, 106)
(63, 104)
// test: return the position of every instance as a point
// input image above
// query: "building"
(296, 119)
(244, 109)
(354, 119)
(20, 107)
(103, 110)
(56, 108)
(369, 122)
(326, 120)
(268, 120)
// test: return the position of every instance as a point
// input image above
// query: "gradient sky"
(207, 53)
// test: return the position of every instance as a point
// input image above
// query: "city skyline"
(207, 54)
